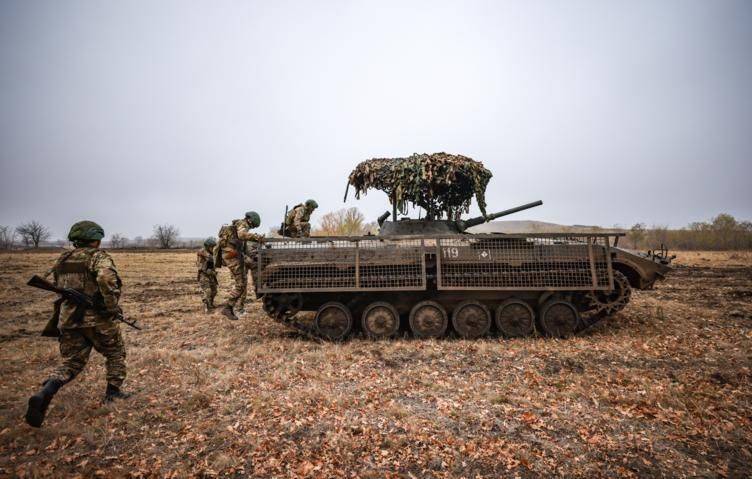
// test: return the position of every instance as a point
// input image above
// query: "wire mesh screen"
(327, 264)
(391, 264)
(550, 262)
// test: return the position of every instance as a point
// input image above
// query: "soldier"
(207, 274)
(232, 252)
(89, 270)
(297, 223)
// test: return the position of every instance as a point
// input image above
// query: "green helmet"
(311, 204)
(253, 218)
(85, 231)
(210, 242)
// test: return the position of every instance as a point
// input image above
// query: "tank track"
(304, 329)
(284, 314)
(599, 306)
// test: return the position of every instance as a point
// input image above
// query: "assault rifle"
(284, 222)
(82, 300)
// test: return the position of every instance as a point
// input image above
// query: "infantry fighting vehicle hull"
(431, 278)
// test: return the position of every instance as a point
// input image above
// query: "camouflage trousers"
(76, 345)
(298, 231)
(208, 285)
(240, 282)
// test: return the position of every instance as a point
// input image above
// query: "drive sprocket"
(606, 303)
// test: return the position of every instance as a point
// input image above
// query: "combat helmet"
(253, 218)
(208, 242)
(85, 231)
(311, 204)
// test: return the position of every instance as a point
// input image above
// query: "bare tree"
(344, 222)
(33, 233)
(166, 235)
(118, 241)
(7, 237)
(637, 235)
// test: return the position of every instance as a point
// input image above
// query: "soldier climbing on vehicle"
(297, 222)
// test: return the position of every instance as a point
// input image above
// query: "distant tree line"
(723, 232)
(33, 234)
(164, 236)
(29, 235)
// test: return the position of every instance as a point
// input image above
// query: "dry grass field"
(662, 389)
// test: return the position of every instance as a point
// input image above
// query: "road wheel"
(515, 318)
(380, 320)
(428, 319)
(333, 321)
(559, 318)
(471, 319)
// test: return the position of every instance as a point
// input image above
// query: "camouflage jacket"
(205, 262)
(241, 230)
(299, 216)
(91, 271)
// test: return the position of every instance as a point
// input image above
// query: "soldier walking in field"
(233, 253)
(207, 274)
(297, 221)
(89, 270)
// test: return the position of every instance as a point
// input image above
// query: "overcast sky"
(137, 113)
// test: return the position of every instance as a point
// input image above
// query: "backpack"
(227, 234)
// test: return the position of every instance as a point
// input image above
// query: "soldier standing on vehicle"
(207, 274)
(91, 271)
(232, 252)
(297, 222)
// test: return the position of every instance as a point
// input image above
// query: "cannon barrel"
(463, 225)
(383, 217)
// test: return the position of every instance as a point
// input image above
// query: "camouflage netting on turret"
(440, 183)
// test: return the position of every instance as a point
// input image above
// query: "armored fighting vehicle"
(431, 277)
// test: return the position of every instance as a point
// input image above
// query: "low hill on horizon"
(531, 226)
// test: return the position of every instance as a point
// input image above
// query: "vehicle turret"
(407, 226)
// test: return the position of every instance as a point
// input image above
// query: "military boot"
(207, 307)
(113, 392)
(228, 313)
(39, 402)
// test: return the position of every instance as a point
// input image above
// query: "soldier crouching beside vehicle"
(207, 274)
(91, 271)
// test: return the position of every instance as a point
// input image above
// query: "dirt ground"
(661, 389)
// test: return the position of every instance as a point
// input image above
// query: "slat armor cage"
(543, 262)
(342, 264)
(529, 262)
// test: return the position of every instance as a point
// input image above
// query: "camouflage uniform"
(207, 276)
(91, 271)
(297, 222)
(239, 232)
